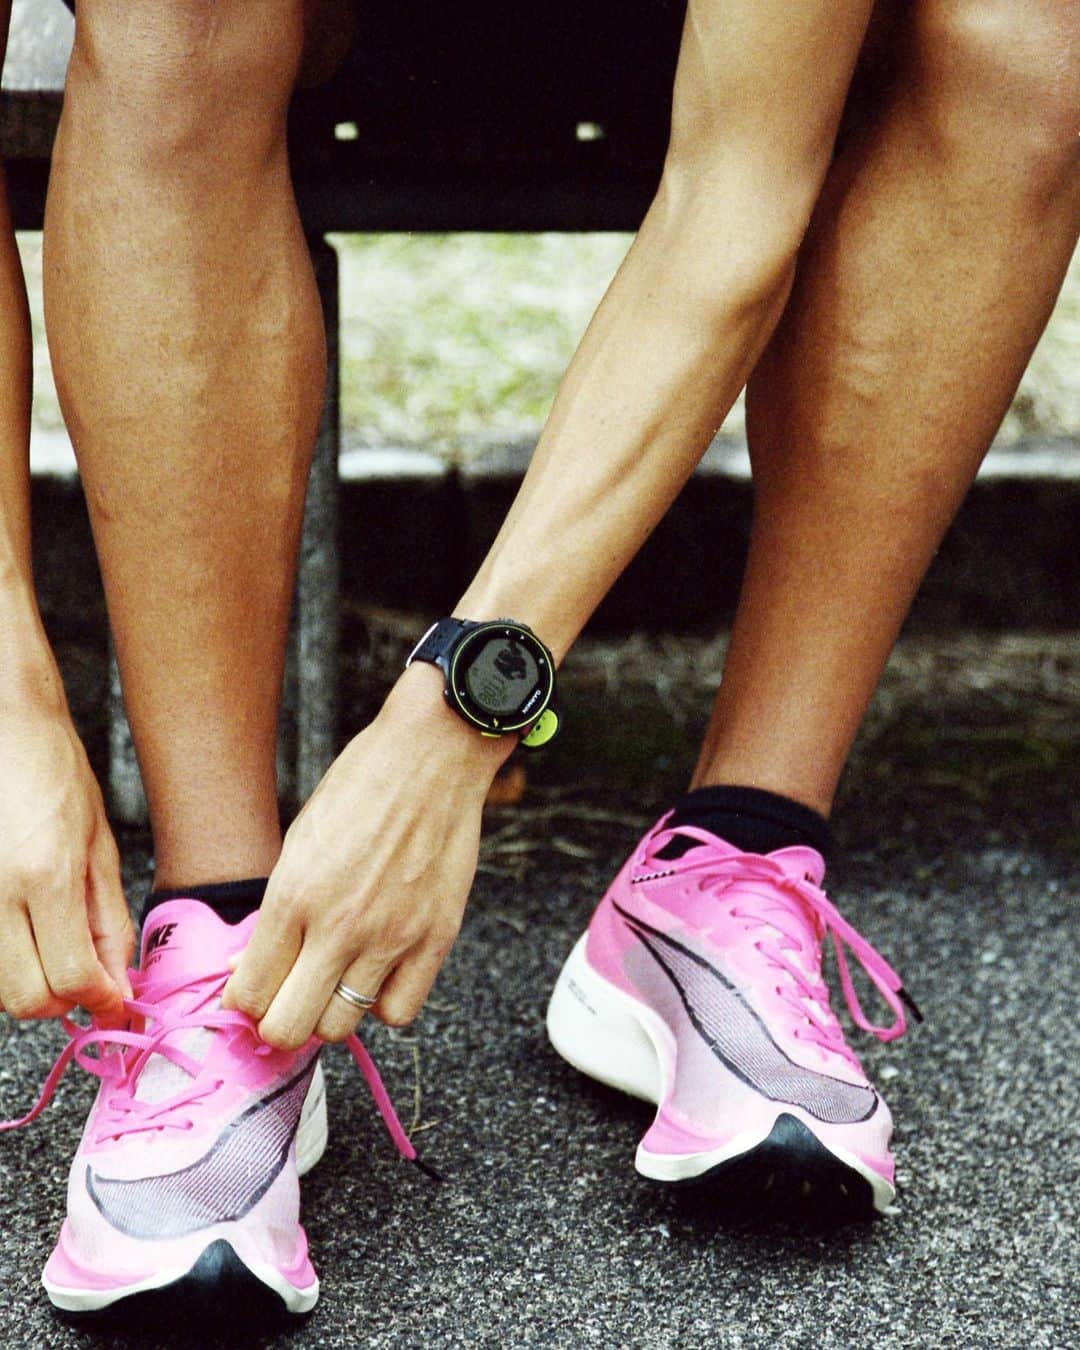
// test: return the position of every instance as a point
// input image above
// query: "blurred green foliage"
(454, 342)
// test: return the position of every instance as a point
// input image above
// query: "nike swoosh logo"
(222, 1186)
(741, 1041)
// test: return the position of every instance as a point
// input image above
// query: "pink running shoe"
(698, 987)
(185, 1183)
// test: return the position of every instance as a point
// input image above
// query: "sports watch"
(500, 678)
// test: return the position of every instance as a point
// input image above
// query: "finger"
(111, 929)
(264, 963)
(308, 993)
(66, 951)
(340, 1018)
(24, 990)
(405, 991)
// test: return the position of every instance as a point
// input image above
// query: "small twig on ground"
(512, 846)
(513, 921)
(400, 1035)
(511, 873)
(418, 1099)
(572, 850)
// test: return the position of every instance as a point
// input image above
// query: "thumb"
(111, 928)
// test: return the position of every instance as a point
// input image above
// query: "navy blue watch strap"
(436, 643)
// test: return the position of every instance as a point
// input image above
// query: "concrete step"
(413, 531)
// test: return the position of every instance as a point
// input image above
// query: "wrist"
(29, 677)
(417, 702)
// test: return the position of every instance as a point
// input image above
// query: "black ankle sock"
(751, 819)
(230, 900)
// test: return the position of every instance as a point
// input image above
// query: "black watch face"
(502, 677)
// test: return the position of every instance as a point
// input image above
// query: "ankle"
(178, 867)
(789, 780)
(753, 820)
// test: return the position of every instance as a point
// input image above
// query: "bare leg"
(186, 332)
(940, 242)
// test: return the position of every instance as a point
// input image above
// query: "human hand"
(374, 873)
(67, 933)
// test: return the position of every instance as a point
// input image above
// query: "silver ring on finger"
(354, 997)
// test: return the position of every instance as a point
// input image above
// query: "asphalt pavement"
(542, 1234)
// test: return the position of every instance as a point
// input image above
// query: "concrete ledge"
(413, 531)
(1009, 561)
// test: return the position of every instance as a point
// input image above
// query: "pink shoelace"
(794, 902)
(119, 1056)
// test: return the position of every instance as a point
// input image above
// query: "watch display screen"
(502, 675)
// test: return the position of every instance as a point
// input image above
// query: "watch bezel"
(458, 695)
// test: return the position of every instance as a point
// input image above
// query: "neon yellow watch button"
(543, 729)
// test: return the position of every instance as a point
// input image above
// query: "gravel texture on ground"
(542, 1234)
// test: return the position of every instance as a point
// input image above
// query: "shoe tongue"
(184, 938)
(801, 863)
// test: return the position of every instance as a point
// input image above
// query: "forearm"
(758, 95)
(27, 669)
(29, 677)
(663, 360)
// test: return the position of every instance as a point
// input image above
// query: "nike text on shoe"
(185, 1184)
(698, 987)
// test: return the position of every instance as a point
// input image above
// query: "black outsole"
(790, 1174)
(217, 1290)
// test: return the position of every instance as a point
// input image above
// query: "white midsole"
(607, 1034)
(311, 1133)
(621, 1042)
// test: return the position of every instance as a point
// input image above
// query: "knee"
(179, 76)
(999, 82)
